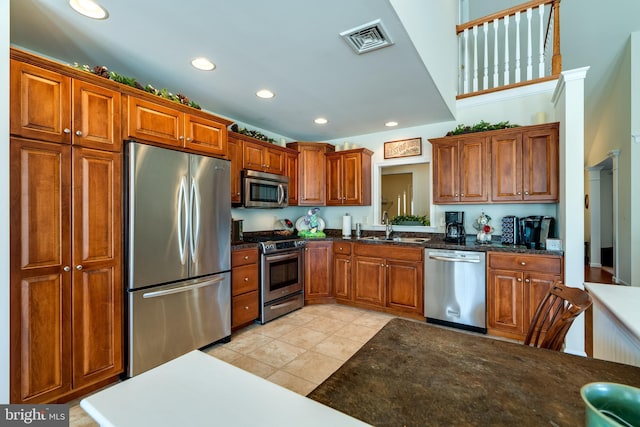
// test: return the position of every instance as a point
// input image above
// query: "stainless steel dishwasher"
(455, 289)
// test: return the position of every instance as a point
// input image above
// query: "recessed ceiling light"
(203, 64)
(321, 121)
(265, 94)
(391, 124)
(89, 8)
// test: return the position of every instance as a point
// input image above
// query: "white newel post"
(568, 101)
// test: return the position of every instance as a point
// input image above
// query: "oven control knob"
(269, 246)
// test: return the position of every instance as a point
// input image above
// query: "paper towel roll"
(346, 225)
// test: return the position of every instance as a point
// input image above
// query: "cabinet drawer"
(398, 252)
(244, 279)
(542, 263)
(342, 248)
(244, 257)
(244, 308)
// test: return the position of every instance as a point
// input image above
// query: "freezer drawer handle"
(442, 258)
(183, 289)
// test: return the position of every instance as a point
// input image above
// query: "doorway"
(601, 207)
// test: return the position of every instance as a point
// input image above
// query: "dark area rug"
(414, 374)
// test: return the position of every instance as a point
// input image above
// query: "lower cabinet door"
(342, 277)
(505, 303)
(369, 280)
(244, 308)
(404, 286)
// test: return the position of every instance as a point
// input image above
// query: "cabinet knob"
(246, 279)
(526, 193)
(527, 280)
(456, 194)
(519, 193)
(461, 194)
(66, 130)
(79, 267)
(523, 263)
(382, 265)
(79, 133)
(246, 257)
(66, 268)
(246, 307)
(181, 137)
(188, 139)
(519, 279)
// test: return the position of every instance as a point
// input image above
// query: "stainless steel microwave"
(264, 190)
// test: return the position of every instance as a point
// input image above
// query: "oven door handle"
(279, 257)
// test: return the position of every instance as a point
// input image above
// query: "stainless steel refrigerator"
(178, 251)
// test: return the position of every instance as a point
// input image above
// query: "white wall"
(4, 202)
(614, 133)
(428, 21)
(634, 193)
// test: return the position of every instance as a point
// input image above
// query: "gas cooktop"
(270, 243)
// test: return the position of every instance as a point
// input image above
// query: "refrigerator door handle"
(183, 288)
(183, 209)
(195, 218)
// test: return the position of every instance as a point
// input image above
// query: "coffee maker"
(535, 230)
(454, 230)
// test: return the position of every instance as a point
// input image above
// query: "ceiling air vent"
(367, 37)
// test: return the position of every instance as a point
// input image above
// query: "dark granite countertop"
(414, 374)
(436, 241)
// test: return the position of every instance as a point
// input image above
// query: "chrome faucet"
(388, 227)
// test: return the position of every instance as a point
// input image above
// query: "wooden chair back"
(554, 316)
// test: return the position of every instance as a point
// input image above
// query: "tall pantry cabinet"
(66, 285)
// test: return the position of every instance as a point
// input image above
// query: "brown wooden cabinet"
(52, 107)
(311, 172)
(342, 270)
(291, 171)
(245, 281)
(460, 169)
(317, 272)
(516, 283)
(153, 121)
(66, 285)
(393, 281)
(348, 178)
(256, 156)
(235, 155)
(525, 165)
(512, 165)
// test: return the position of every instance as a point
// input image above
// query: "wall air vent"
(367, 37)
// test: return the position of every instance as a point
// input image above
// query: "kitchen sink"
(398, 239)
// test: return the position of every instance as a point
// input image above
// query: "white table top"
(623, 302)
(199, 390)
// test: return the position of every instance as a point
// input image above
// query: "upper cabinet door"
(540, 165)
(445, 172)
(96, 117)
(147, 121)
(40, 103)
(506, 167)
(474, 170)
(205, 135)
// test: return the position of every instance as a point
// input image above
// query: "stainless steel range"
(281, 275)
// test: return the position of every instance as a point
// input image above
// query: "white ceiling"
(293, 47)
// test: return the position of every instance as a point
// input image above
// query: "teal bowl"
(611, 404)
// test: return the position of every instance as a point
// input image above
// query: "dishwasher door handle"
(447, 259)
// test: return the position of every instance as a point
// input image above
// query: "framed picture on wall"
(403, 148)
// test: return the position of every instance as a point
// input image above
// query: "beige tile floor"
(297, 351)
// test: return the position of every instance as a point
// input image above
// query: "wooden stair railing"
(542, 19)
